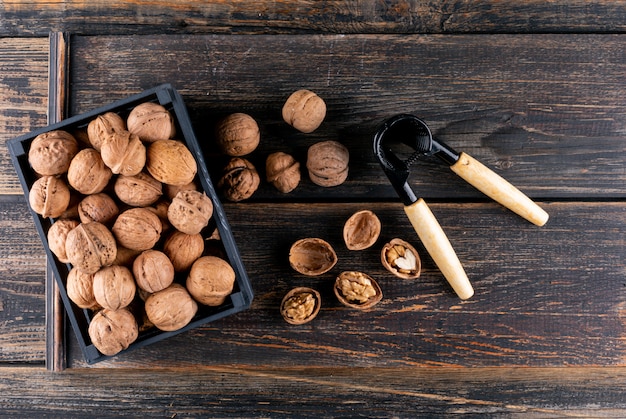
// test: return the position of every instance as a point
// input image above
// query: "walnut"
(153, 271)
(100, 128)
(190, 211)
(237, 134)
(171, 162)
(300, 305)
(361, 230)
(50, 153)
(90, 246)
(282, 171)
(98, 207)
(124, 153)
(327, 162)
(171, 309)
(401, 259)
(137, 229)
(49, 196)
(239, 180)
(57, 235)
(87, 172)
(304, 110)
(113, 331)
(151, 122)
(183, 249)
(357, 290)
(79, 288)
(114, 287)
(210, 280)
(139, 190)
(312, 256)
(172, 190)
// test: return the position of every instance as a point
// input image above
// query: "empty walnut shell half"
(49, 196)
(50, 153)
(171, 162)
(401, 259)
(171, 309)
(361, 230)
(312, 256)
(300, 305)
(151, 122)
(357, 290)
(90, 246)
(112, 331)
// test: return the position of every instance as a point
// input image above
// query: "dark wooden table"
(535, 90)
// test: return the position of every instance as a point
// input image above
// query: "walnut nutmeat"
(300, 305)
(357, 290)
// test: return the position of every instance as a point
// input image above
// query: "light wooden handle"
(498, 189)
(438, 246)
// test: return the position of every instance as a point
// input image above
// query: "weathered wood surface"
(196, 16)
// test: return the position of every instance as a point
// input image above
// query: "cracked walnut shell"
(361, 230)
(327, 162)
(237, 134)
(50, 153)
(190, 211)
(401, 259)
(49, 196)
(114, 287)
(150, 121)
(282, 171)
(112, 331)
(300, 305)
(312, 256)
(357, 290)
(90, 246)
(171, 162)
(171, 309)
(210, 280)
(304, 110)
(239, 180)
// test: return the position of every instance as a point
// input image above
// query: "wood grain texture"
(23, 97)
(315, 392)
(201, 17)
(545, 111)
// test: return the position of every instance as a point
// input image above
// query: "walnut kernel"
(401, 259)
(300, 305)
(357, 290)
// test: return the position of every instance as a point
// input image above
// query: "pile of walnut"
(128, 217)
(238, 135)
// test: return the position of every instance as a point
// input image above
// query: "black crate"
(241, 297)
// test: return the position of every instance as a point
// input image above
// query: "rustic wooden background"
(534, 90)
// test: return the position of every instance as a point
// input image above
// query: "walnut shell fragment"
(210, 280)
(190, 211)
(90, 246)
(137, 229)
(327, 163)
(151, 122)
(282, 171)
(113, 331)
(49, 196)
(50, 153)
(304, 110)
(114, 287)
(237, 134)
(361, 230)
(401, 259)
(171, 162)
(357, 290)
(240, 180)
(312, 256)
(171, 309)
(300, 305)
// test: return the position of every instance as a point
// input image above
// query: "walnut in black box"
(241, 296)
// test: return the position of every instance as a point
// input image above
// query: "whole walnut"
(210, 280)
(100, 128)
(50, 153)
(171, 309)
(240, 180)
(190, 211)
(98, 207)
(57, 236)
(124, 153)
(237, 134)
(183, 249)
(327, 162)
(112, 331)
(137, 229)
(151, 122)
(90, 246)
(171, 162)
(139, 190)
(79, 288)
(304, 110)
(114, 287)
(153, 271)
(282, 171)
(87, 172)
(49, 196)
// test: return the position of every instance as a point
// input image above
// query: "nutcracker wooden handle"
(498, 189)
(438, 246)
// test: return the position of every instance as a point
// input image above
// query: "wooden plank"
(545, 111)
(341, 391)
(23, 97)
(38, 17)
(545, 297)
